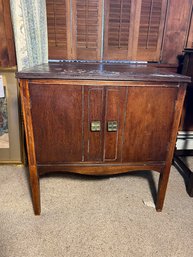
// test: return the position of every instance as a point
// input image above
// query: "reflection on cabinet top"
(101, 71)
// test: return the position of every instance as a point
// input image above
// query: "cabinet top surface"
(100, 71)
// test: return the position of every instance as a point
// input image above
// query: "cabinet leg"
(35, 189)
(163, 181)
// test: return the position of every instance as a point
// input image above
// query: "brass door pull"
(95, 126)
(112, 126)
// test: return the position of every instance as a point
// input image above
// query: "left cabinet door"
(57, 118)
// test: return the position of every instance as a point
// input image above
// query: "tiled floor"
(4, 141)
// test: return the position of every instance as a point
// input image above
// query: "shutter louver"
(88, 29)
(149, 24)
(151, 29)
(57, 28)
(119, 19)
(117, 29)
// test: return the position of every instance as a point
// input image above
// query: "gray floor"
(92, 217)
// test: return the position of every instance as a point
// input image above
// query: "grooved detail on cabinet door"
(94, 111)
(57, 122)
(115, 99)
(145, 139)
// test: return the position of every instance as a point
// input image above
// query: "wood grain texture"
(58, 116)
(114, 111)
(164, 176)
(100, 169)
(94, 111)
(149, 113)
(91, 72)
(29, 133)
(58, 126)
(7, 47)
(177, 25)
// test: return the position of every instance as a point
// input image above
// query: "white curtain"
(30, 31)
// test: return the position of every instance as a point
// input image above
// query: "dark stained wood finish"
(7, 47)
(59, 112)
(101, 169)
(176, 30)
(102, 72)
(114, 111)
(58, 128)
(94, 111)
(34, 176)
(164, 176)
(149, 110)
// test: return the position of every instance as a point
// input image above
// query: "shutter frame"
(119, 24)
(86, 29)
(134, 51)
(58, 19)
(157, 17)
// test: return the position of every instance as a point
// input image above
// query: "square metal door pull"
(95, 126)
(112, 126)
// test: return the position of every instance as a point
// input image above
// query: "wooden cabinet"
(100, 119)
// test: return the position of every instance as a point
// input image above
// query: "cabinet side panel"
(57, 122)
(148, 123)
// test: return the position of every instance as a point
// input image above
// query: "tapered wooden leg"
(34, 177)
(35, 189)
(163, 181)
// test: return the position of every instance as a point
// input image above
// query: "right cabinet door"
(148, 123)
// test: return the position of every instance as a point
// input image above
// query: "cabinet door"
(57, 122)
(93, 112)
(148, 123)
(103, 105)
(114, 122)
